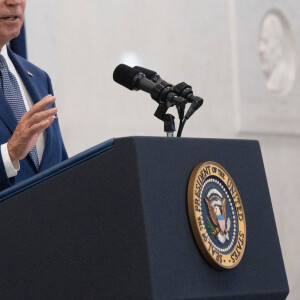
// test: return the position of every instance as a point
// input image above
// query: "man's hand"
(31, 125)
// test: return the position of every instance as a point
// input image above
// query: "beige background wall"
(80, 43)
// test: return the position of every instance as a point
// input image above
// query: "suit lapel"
(6, 114)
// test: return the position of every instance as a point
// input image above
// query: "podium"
(112, 223)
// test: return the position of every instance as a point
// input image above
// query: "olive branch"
(210, 226)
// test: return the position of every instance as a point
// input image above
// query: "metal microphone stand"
(168, 119)
(169, 125)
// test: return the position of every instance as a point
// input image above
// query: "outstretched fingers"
(41, 126)
(40, 106)
(42, 116)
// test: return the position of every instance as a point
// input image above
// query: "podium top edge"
(96, 150)
(185, 139)
(63, 166)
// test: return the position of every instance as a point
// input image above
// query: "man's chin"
(10, 30)
(16, 34)
(12, 35)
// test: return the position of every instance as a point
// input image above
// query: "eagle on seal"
(217, 212)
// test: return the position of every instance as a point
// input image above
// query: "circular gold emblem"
(217, 215)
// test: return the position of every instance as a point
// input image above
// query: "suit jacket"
(38, 86)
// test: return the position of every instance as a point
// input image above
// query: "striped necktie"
(11, 90)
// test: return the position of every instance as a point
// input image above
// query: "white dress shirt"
(11, 171)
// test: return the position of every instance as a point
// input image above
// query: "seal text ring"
(216, 215)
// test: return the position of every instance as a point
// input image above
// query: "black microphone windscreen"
(149, 73)
(125, 76)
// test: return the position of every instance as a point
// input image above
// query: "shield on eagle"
(221, 221)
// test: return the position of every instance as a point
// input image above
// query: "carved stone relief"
(266, 66)
(277, 53)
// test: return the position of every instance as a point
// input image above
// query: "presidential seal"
(216, 215)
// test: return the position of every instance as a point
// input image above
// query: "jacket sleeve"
(64, 153)
(4, 181)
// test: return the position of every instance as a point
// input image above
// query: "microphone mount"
(185, 91)
(164, 95)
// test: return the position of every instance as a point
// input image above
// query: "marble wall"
(242, 57)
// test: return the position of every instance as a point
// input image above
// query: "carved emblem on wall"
(266, 66)
(277, 53)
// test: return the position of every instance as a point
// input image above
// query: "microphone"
(182, 89)
(151, 75)
(132, 79)
(162, 92)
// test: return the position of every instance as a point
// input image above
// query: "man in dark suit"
(30, 137)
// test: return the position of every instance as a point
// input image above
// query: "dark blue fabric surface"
(73, 161)
(18, 45)
(175, 260)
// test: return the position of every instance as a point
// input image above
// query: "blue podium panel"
(113, 224)
(178, 269)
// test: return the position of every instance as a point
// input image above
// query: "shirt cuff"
(11, 171)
